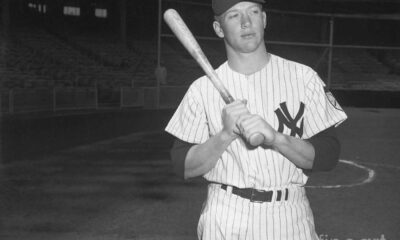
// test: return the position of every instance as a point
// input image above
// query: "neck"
(248, 63)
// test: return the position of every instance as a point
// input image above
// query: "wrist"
(279, 140)
(226, 136)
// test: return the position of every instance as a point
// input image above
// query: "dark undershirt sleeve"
(327, 150)
(178, 155)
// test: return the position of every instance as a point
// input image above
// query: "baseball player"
(255, 192)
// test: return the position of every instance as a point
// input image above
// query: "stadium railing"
(14, 101)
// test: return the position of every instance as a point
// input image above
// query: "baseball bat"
(185, 36)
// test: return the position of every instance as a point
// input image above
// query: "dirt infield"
(124, 188)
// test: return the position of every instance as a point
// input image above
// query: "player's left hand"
(250, 124)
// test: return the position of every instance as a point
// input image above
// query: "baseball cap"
(220, 6)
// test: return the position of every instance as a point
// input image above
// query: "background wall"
(29, 136)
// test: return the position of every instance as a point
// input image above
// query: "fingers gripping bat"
(182, 32)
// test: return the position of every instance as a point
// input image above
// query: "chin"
(248, 48)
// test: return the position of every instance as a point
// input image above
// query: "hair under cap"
(220, 6)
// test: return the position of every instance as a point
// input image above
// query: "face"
(242, 27)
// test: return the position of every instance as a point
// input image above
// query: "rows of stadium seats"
(144, 70)
(357, 60)
(35, 58)
(392, 59)
(362, 69)
(110, 51)
(23, 68)
(137, 59)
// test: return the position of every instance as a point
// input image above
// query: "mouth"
(248, 35)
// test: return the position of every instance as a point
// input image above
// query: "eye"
(255, 10)
(233, 15)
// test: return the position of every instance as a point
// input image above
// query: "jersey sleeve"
(189, 122)
(322, 109)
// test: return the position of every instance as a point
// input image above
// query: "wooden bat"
(185, 36)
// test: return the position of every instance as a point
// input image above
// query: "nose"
(245, 21)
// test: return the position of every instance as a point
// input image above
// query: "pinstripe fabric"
(227, 216)
(280, 85)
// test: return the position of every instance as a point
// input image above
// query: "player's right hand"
(230, 115)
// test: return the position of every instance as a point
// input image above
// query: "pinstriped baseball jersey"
(288, 95)
(292, 99)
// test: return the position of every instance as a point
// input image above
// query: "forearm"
(298, 151)
(201, 158)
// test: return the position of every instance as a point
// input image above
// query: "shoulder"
(308, 76)
(290, 64)
(199, 87)
(294, 72)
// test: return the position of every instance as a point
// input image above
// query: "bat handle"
(227, 97)
(256, 139)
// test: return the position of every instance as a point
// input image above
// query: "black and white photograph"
(199, 119)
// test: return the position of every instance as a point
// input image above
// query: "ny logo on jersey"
(285, 119)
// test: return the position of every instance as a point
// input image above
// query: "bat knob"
(256, 139)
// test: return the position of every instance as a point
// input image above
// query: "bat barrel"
(185, 36)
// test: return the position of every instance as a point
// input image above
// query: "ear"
(218, 29)
(264, 19)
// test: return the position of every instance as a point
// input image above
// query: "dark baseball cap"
(220, 6)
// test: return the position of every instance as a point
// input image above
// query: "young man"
(255, 192)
